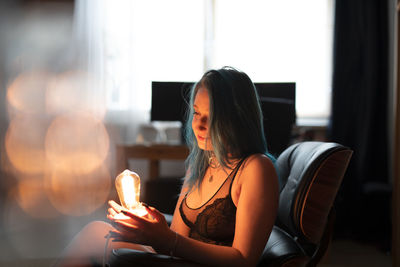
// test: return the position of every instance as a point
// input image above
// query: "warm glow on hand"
(139, 211)
(120, 216)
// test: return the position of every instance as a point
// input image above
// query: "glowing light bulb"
(127, 184)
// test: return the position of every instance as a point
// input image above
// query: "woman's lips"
(200, 138)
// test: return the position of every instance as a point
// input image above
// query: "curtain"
(359, 115)
(128, 44)
(92, 53)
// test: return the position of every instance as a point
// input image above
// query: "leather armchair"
(310, 175)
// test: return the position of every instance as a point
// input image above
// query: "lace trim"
(217, 229)
(184, 218)
(222, 213)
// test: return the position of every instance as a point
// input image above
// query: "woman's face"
(200, 122)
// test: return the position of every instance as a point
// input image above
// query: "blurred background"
(75, 82)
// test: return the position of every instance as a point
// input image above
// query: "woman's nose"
(202, 123)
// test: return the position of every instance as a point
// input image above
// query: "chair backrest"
(310, 175)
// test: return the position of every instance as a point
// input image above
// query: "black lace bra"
(214, 221)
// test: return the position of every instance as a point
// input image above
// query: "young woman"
(229, 200)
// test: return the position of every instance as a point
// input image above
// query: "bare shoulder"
(257, 173)
(258, 163)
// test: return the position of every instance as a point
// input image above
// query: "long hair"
(235, 123)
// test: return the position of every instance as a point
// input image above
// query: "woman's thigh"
(91, 244)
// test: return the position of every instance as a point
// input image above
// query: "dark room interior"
(364, 116)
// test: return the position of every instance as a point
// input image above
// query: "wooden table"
(152, 152)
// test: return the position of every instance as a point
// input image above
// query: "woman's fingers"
(125, 227)
(135, 228)
(138, 229)
(154, 212)
(137, 219)
(115, 206)
(112, 212)
(118, 237)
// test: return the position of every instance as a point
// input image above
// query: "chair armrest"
(281, 249)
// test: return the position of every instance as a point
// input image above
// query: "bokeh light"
(31, 197)
(39, 197)
(57, 144)
(79, 194)
(76, 142)
(27, 92)
(77, 91)
(24, 143)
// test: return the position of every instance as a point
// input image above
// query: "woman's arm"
(177, 223)
(257, 207)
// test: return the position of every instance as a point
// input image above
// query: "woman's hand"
(114, 208)
(151, 230)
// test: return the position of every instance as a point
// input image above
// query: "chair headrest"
(298, 168)
(301, 156)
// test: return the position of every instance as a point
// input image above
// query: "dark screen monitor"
(169, 100)
(169, 103)
(278, 104)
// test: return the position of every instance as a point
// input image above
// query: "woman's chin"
(203, 147)
(200, 147)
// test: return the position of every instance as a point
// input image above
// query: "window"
(147, 41)
(177, 40)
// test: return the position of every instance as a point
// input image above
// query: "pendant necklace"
(213, 163)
